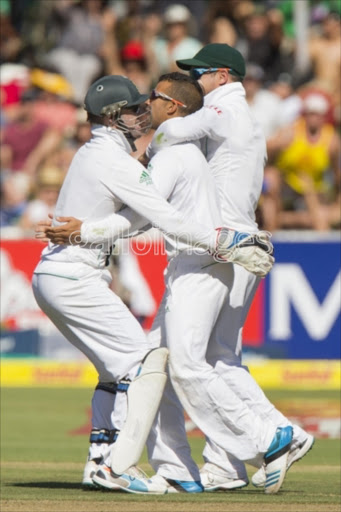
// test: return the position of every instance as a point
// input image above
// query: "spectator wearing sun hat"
(177, 43)
(54, 103)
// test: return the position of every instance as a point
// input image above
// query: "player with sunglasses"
(235, 148)
(197, 73)
(157, 94)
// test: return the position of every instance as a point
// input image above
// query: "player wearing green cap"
(234, 145)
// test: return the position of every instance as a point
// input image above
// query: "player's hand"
(254, 252)
(41, 228)
(69, 233)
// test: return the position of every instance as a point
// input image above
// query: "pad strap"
(103, 435)
(114, 387)
(109, 387)
(123, 385)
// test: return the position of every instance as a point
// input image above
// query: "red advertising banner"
(19, 258)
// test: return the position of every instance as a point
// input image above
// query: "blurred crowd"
(51, 51)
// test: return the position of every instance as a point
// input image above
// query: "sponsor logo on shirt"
(160, 138)
(145, 178)
(216, 109)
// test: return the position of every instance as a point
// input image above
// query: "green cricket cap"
(112, 89)
(216, 55)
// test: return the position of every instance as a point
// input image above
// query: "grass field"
(42, 464)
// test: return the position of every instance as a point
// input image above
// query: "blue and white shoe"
(276, 459)
(104, 477)
(157, 484)
(176, 486)
(298, 450)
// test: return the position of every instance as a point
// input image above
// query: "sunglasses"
(156, 94)
(196, 73)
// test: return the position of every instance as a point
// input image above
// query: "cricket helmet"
(111, 93)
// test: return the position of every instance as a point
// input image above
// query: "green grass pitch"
(42, 463)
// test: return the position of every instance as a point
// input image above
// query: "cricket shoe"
(89, 472)
(106, 478)
(297, 451)
(215, 479)
(276, 458)
(157, 484)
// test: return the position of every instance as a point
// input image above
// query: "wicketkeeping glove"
(254, 252)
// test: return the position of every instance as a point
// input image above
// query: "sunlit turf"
(42, 462)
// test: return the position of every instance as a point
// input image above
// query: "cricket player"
(197, 289)
(235, 150)
(70, 283)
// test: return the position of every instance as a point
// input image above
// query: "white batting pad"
(144, 397)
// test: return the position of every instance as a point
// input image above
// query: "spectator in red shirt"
(25, 141)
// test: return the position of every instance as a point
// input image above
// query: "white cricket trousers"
(197, 291)
(96, 321)
(225, 355)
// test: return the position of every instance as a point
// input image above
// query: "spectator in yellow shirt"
(304, 172)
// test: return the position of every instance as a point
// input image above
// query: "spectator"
(14, 80)
(14, 195)
(16, 293)
(72, 140)
(77, 52)
(26, 141)
(10, 40)
(177, 43)
(234, 11)
(262, 40)
(303, 154)
(325, 54)
(264, 104)
(222, 31)
(132, 60)
(49, 182)
(54, 101)
(291, 102)
(135, 65)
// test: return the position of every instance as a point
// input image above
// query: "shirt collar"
(235, 88)
(116, 136)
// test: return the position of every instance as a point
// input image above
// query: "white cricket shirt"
(102, 177)
(234, 145)
(181, 175)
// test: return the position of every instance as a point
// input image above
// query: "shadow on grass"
(70, 485)
(49, 485)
